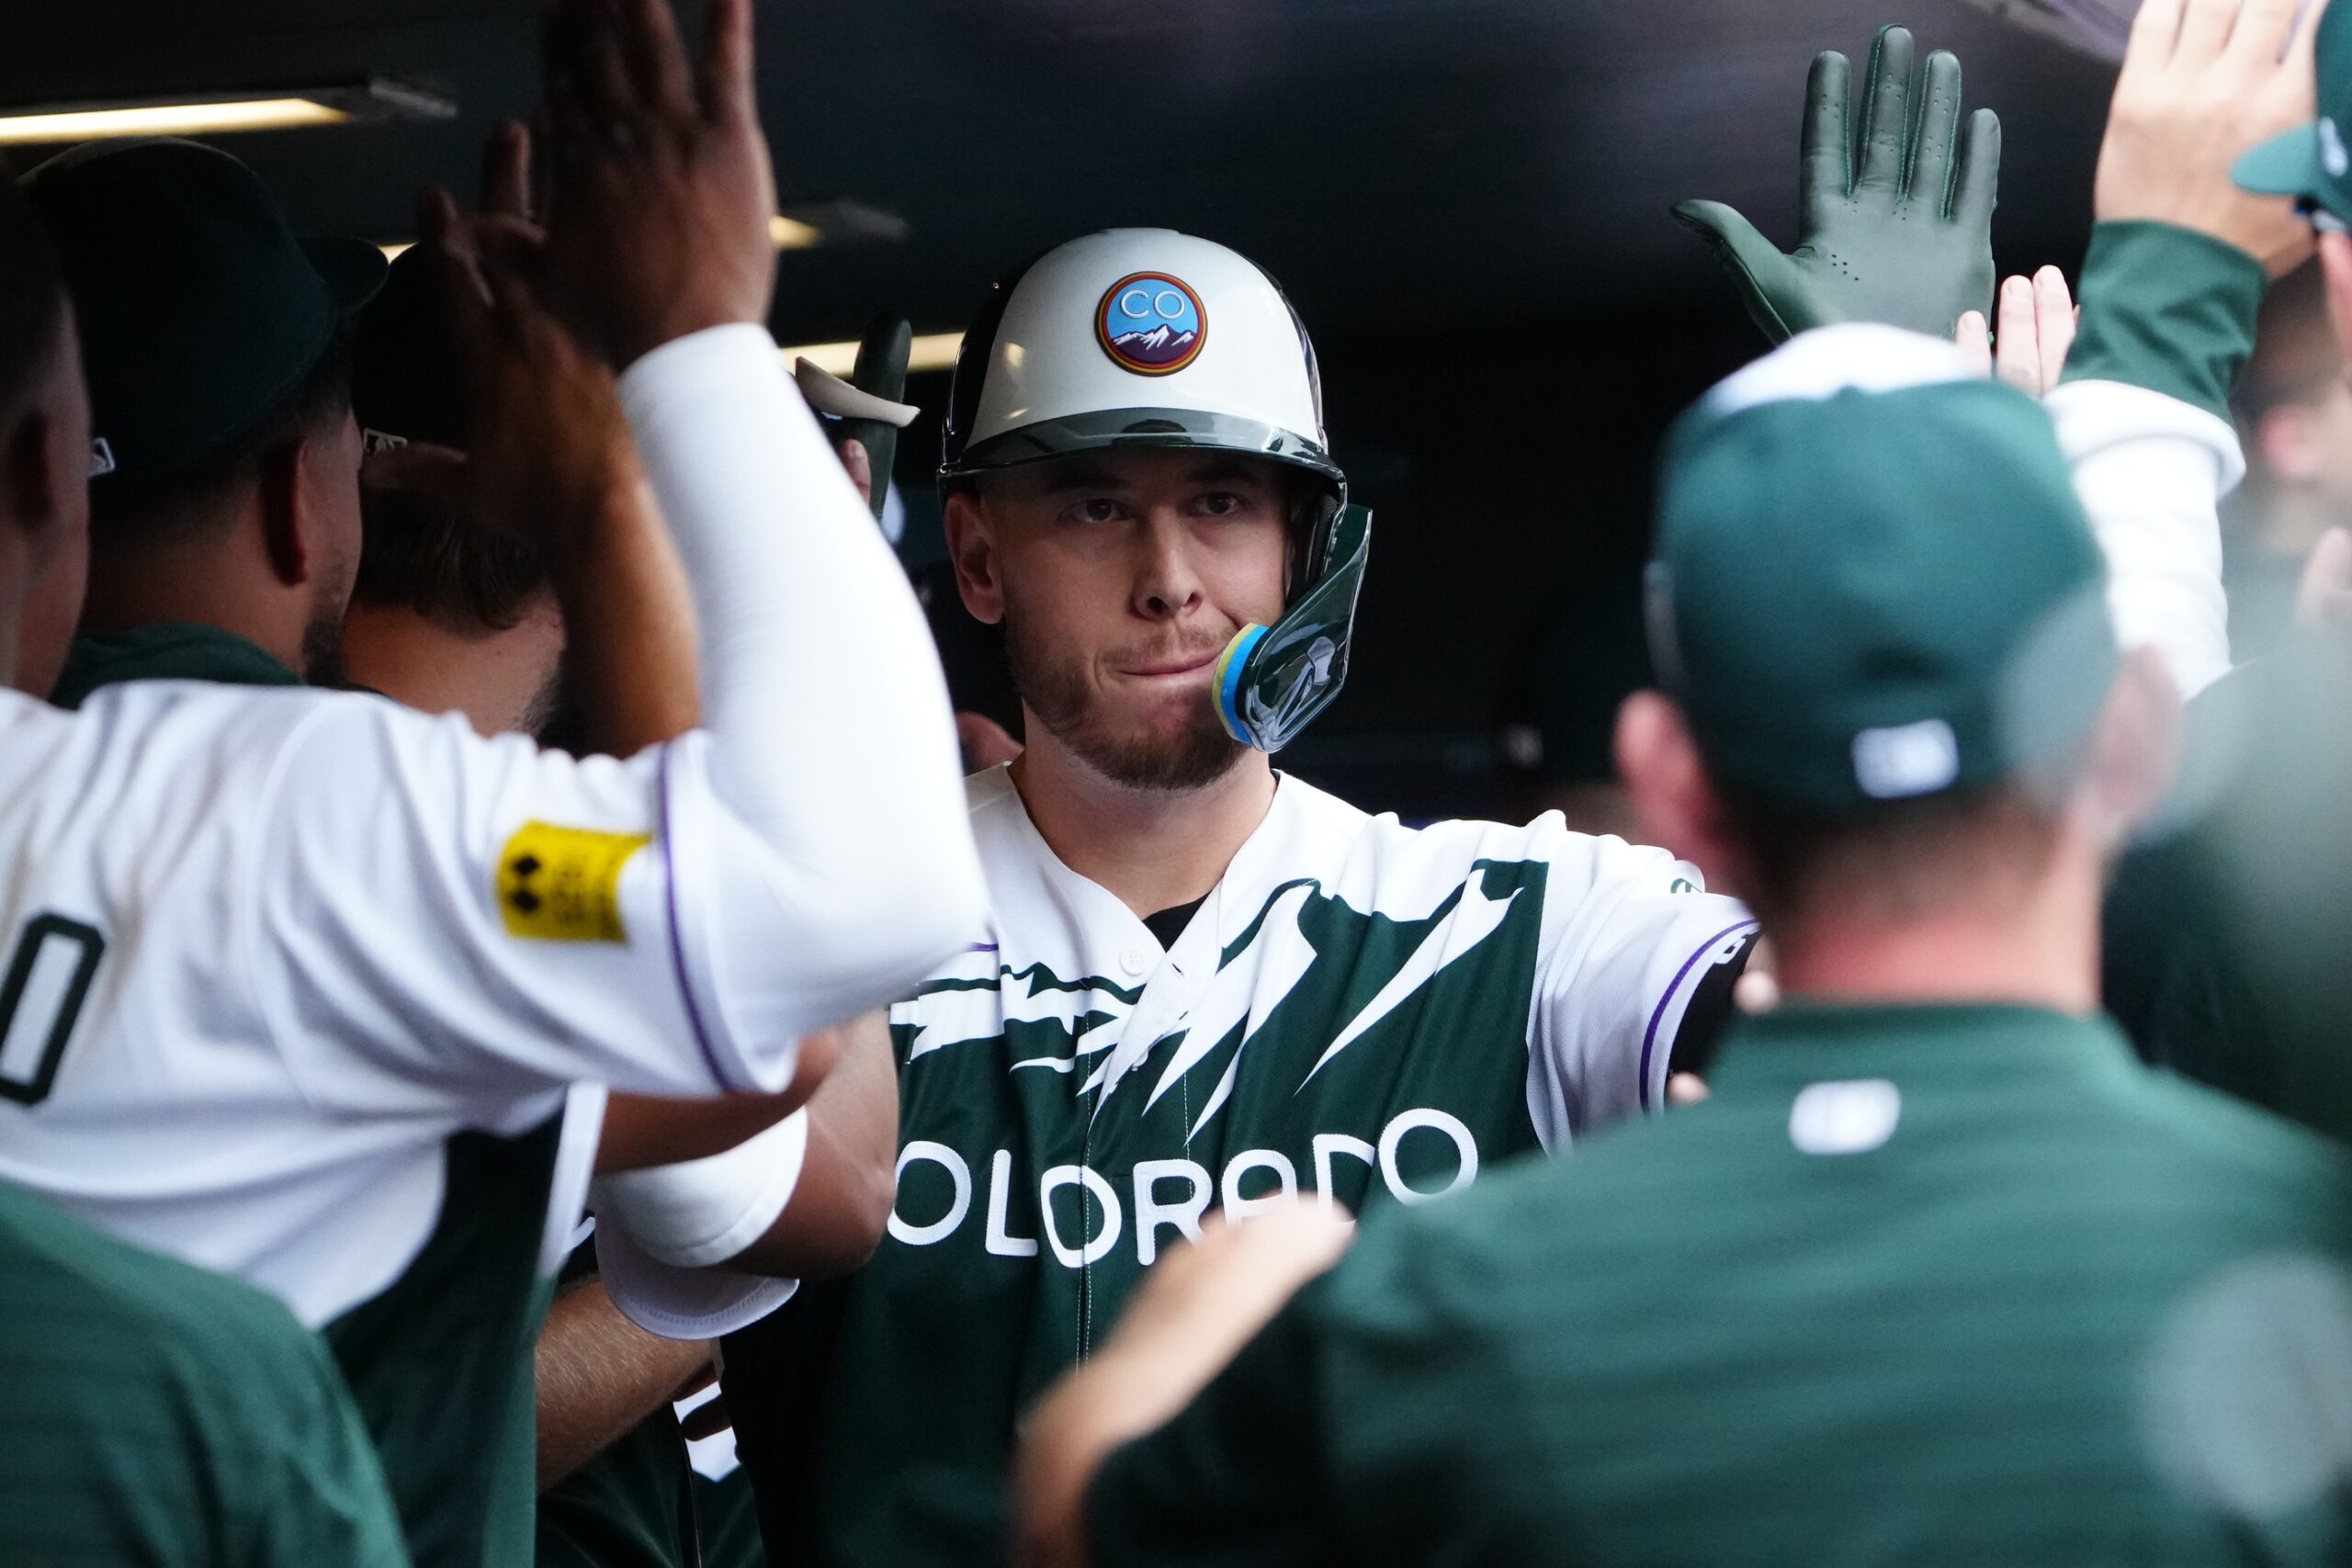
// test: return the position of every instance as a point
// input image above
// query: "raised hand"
(1895, 222)
(2202, 82)
(546, 448)
(660, 195)
(2037, 318)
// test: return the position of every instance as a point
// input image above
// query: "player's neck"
(1154, 849)
(133, 588)
(494, 678)
(2040, 950)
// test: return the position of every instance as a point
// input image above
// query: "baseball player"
(451, 612)
(268, 953)
(1201, 984)
(1939, 1273)
(149, 1412)
(2175, 272)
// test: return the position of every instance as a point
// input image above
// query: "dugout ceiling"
(1404, 165)
(1467, 199)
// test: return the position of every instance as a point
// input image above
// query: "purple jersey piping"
(677, 945)
(1649, 1035)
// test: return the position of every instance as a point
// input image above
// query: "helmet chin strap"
(1271, 681)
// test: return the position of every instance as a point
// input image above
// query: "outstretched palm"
(1895, 225)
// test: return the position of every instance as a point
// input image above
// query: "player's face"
(1121, 577)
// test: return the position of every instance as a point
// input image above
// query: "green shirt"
(439, 1361)
(154, 1413)
(1929, 1285)
(176, 650)
(2224, 958)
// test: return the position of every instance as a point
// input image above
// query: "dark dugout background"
(1466, 198)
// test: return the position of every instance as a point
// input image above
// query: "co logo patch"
(1151, 323)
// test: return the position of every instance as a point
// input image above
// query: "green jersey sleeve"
(314, 1492)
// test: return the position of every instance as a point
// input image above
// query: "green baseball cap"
(1872, 580)
(199, 312)
(407, 382)
(2309, 162)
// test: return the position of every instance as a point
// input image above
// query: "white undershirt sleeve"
(434, 919)
(1629, 934)
(831, 744)
(664, 1235)
(2151, 471)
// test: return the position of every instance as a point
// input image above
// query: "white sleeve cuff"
(704, 1212)
(2151, 471)
(682, 1303)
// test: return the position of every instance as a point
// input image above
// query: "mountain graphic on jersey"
(1081, 1021)
(1362, 1013)
(1336, 1053)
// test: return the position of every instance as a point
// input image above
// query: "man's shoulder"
(1373, 854)
(1470, 839)
(1385, 837)
(1456, 1266)
(2223, 1137)
(201, 745)
(143, 1319)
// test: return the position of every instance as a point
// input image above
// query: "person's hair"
(1896, 861)
(419, 553)
(32, 300)
(194, 497)
(2296, 358)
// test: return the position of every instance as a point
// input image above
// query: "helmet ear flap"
(1313, 511)
(972, 366)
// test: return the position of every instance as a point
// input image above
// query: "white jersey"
(259, 970)
(2151, 471)
(1359, 1014)
(262, 951)
(1332, 927)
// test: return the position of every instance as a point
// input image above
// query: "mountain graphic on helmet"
(1151, 323)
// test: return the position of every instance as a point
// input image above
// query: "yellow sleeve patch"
(564, 884)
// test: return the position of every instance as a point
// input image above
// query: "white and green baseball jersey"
(1359, 1011)
(293, 984)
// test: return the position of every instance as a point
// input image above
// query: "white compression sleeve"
(829, 733)
(2151, 471)
(704, 1212)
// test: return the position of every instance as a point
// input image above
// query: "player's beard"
(323, 646)
(322, 638)
(1054, 688)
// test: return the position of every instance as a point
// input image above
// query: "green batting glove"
(1896, 225)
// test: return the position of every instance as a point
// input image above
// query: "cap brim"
(353, 269)
(2288, 165)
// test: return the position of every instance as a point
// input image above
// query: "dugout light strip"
(789, 234)
(933, 351)
(168, 119)
(212, 114)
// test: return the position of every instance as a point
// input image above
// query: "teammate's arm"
(675, 923)
(2175, 272)
(835, 1217)
(599, 1375)
(1199, 1307)
(807, 1198)
(1634, 979)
